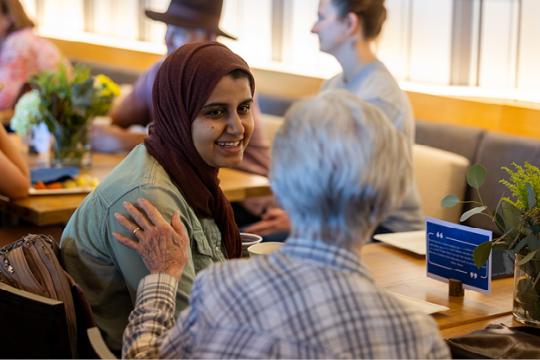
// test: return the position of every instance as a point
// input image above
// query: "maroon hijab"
(183, 84)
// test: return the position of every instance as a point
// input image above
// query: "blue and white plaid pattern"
(308, 300)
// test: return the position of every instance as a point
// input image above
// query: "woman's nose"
(235, 125)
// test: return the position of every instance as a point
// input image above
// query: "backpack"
(31, 264)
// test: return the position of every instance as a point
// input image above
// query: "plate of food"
(80, 184)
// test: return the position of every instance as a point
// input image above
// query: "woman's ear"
(354, 24)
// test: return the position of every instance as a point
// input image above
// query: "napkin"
(49, 175)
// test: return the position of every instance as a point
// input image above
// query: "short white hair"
(339, 167)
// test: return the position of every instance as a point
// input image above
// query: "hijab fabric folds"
(183, 84)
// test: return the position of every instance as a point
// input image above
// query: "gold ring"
(134, 231)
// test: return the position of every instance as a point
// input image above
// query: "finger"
(152, 212)
(125, 222)
(126, 241)
(137, 215)
(273, 213)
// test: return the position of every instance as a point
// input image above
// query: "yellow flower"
(106, 86)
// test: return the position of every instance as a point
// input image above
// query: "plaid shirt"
(307, 300)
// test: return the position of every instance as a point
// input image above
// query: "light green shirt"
(109, 272)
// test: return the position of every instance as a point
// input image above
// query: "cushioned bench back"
(437, 174)
(457, 139)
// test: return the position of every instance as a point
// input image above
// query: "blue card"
(449, 254)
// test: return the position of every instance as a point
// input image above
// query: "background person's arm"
(134, 109)
(114, 139)
(15, 180)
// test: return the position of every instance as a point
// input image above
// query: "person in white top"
(347, 30)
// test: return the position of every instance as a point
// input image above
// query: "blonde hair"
(15, 12)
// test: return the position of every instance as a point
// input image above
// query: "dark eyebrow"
(247, 101)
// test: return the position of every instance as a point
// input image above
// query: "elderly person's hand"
(163, 247)
(273, 220)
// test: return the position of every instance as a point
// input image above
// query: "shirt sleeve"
(151, 318)
(152, 332)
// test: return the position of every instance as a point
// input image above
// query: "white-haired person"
(338, 167)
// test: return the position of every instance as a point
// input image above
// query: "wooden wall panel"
(512, 118)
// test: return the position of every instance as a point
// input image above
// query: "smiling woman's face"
(222, 129)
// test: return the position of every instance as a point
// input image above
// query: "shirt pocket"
(202, 243)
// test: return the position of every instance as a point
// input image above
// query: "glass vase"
(527, 292)
(71, 147)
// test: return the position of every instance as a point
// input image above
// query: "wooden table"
(405, 273)
(57, 209)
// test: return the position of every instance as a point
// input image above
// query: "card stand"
(455, 288)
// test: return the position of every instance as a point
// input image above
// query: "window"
(479, 44)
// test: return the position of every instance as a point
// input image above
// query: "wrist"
(175, 272)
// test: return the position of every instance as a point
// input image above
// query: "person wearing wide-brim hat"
(202, 15)
(187, 21)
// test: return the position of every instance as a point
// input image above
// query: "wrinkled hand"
(163, 247)
(273, 220)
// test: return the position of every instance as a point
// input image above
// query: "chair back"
(33, 326)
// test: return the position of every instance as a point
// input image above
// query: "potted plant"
(517, 218)
(66, 102)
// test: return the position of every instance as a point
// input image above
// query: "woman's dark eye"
(215, 113)
(244, 109)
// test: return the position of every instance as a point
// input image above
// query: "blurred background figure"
(15, 180)
(22, 52)
(313, 298)
(347, 30)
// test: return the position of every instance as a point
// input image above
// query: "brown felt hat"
(202, 14)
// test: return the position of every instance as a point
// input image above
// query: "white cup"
(250, 239)
(264, 248)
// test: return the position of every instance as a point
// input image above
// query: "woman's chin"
(228, 161)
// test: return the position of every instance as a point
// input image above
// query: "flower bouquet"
(65, 101)
(518, 219)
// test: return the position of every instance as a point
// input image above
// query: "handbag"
(31, 263)
(497, 341)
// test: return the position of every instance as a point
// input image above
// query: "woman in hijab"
(202, 95)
